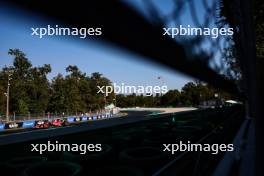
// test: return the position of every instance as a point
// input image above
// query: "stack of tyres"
(138, 135)
(16, 165)
(119, 171)
(159, 128)
(91, 160)
(159, 140)
(128, 137)
(120, 141)
(205, 125)
(53, 168)
(187, 132)
(145, 158)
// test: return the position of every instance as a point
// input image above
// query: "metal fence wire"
(138, 26)
(124, 25)
(206, 57)
(210, 50)
(233, 56)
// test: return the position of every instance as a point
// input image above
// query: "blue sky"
(90, 57)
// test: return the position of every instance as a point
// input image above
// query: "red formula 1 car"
(59, 122)
(42, 124)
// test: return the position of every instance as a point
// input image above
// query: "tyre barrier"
(4, 168)
(159, 140)
(138, 135)
(159, 128)
(53, 168)
(53, 156)
(118, 171)
(180, 123)
(187, 132)
(16, 165)
(128, 138)
(89, 160)
(187, 129)
(203, 124)
(120, 141)
(146, 158)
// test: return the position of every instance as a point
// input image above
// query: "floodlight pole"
(7, 96)
(104, 100)
(115, 99)
(162, 83)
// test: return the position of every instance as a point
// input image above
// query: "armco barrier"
(71, 119)
(2, 126)
(28, 124)
(32, 123)
(84, 118)
(77, 119)
(11, 125)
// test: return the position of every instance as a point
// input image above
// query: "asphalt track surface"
(32, 134)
